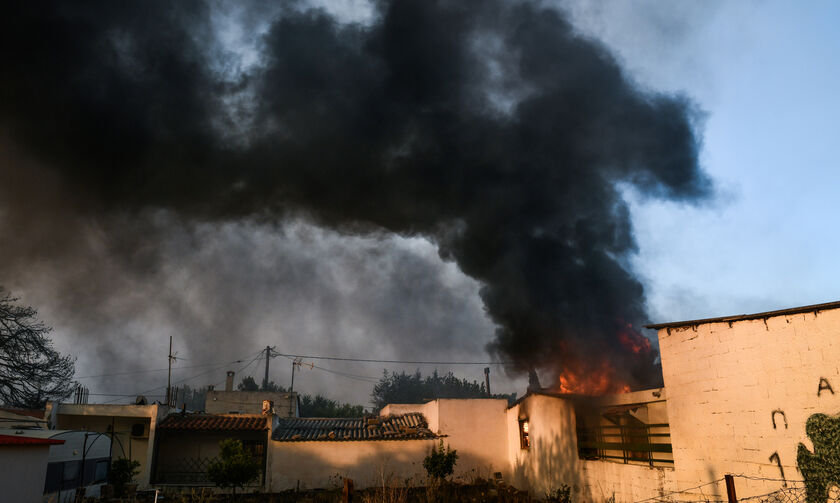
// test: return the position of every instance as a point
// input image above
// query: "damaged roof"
(214, 422)
(411, 426)
(814, 308)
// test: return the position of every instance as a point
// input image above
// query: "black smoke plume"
(489, 127)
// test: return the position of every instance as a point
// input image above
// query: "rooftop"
(36, 413)
(741, 317)
(211, 422)
(411, 426)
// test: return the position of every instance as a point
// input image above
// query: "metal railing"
(649, 443)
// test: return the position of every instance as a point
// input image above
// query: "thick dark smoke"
(489, 127)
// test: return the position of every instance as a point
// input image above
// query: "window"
(524, 434)
(100, 473)
(71, 470)
(622, 434)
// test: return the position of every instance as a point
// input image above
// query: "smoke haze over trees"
(414, 388)
(491, 129)
(310, 406)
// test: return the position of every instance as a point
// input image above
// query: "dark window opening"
(100, 473)
(620, 435)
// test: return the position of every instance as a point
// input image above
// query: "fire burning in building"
(592, 376)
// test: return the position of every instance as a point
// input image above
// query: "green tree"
(440, 463)
(31, 371)
(310, 406)
(321, 406)
(235, 466)
(414, 388)
(249, 384)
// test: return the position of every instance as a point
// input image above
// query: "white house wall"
(552, 459)
(24, 470)
(101, 417)
(728, 382)
(318, 464)
(474, 427)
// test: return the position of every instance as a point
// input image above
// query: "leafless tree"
(31, 370)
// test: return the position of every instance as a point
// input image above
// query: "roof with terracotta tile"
(21, 440)
(234, 422)
(412, 426)
(36, 413)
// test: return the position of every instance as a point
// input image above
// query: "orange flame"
(599, 378)
(600, 381)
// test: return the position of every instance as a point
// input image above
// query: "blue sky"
(765, 76)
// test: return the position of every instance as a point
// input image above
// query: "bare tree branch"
(31, 371)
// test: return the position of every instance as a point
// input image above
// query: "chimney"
(229, 380)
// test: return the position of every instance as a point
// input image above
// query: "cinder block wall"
(728, 382)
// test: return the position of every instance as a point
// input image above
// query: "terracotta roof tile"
(21, 440)
(412, 426)
(237, 422)
(36, 413)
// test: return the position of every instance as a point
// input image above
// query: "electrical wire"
(143, 371)
(216, 366)
(348, 375)
(370, 360)
(191, 378)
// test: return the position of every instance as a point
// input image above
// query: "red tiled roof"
(213, 422)
(411, 426)
(25, 412)
(21, 440)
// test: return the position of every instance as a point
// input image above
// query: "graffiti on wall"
(824, 386)
(820, 469)
(773, 417)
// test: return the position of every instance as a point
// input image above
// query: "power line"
(369, 360)
(142, 371)
(336, 372)
(310, 357)
(194, 377)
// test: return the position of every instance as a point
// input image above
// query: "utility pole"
(169, 376)
(267, 357)
(295, 363)
(487, 380)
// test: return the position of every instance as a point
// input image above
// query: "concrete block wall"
(604, 480)
(728, 382)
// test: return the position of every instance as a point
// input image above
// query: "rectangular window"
(524, 434)
(618, 434)
(100, 473)
(71, 470)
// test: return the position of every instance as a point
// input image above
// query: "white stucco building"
(741, 392)
(24, 461)
(132, 427)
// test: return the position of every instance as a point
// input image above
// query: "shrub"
(122, 473)
(440, 463)
(562, 494)
(235, 466)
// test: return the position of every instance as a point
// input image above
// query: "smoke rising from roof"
(490, 128)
